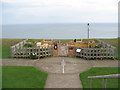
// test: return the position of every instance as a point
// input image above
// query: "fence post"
(11, 51)
(115, 53)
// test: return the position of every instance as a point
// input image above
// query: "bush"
(33, 56)
(98, 46)
(28, 45)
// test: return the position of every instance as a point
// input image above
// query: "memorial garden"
(48, 63)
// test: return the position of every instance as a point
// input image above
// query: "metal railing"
(104, 77)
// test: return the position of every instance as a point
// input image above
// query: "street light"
(88, 29)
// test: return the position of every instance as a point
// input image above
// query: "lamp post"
(88, 30)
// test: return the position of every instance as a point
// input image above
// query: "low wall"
(18, 51)
(101, 53)
(26, 52)
(107, 51)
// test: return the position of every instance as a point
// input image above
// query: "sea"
(60, 31)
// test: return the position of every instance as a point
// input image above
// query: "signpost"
(63, 64)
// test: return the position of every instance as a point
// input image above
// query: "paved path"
(73, 67)
(63, 81)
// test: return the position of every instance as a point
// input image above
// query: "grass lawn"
(23, 77)
(97, 83)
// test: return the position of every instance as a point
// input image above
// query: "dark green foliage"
(33, 56)
(98, 46)
(28, 45)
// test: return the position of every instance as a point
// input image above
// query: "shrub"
(28, 45)
(98, 46)
(33, 56)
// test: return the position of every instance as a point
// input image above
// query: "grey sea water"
(60, 31)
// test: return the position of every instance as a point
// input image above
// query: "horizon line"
(56, 23)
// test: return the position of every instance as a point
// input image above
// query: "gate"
(63, 51)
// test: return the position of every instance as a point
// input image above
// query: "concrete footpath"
(72, 68)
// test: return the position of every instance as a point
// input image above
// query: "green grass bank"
(97, 83)
(23, 77)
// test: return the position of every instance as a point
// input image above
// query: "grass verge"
(23, 77)
(97, 83)
(5, 46)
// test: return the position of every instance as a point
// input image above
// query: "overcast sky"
(59, 11)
